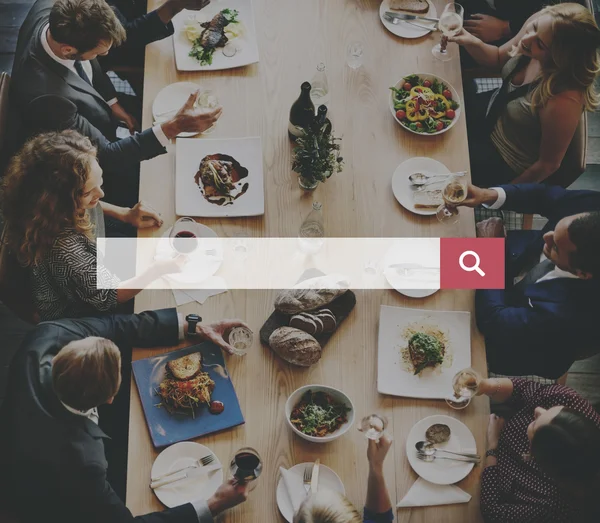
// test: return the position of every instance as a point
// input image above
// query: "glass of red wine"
(246, 466)
(182, 236)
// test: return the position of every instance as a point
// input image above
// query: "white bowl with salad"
(425, 104)
(319, 413)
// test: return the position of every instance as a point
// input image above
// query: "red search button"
(472, 263)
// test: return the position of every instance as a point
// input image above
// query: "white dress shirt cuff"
(112, 102)
(181, 323)
(204, 515)
(160, 136)
(500, 201)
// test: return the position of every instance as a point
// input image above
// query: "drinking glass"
(183, 237)
(454, 192)
(246, 466)
(373, 426)
(319, 94)
(450, 24)
(465, 385)
(240, 338)
(207, 99)
(354, 55)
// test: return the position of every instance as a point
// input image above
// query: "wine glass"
(183, 237)
(450, 24)
(207, 99)
(246, 466)
(455, 192)
(354, 55)
(373, 426)
(240, 338)
(465, 385)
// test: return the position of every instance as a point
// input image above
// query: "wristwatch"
(193, 320)
(492, 453)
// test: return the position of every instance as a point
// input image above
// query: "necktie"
(540, 270)
(81, 72)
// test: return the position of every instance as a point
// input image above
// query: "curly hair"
(41, 193)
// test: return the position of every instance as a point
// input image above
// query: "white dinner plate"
(170, 99)
(403, 189)
(327, 479)
(201, 265)
(441, 471)
(394, 375)
(187, 490)
(403, 29)
(245, 46)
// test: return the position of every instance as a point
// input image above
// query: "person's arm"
(140, 216)
(497, 389)
(378, 506)
(558, 120)
(102, 82)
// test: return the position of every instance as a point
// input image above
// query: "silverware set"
(396, 18)
(427, 452)
(185, 472)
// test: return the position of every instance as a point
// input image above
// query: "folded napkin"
(200, 295)
(294, 487)
(424, 494)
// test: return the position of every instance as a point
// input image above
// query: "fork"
(396, 21)
(307, 478)
(202, 462)
(428, 459)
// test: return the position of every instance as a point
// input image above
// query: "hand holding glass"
(465, 384)
(450, 24)
(454, 193)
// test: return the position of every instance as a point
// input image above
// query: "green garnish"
(230, 15)
(204, 56)
(318, 414)
(427, 349)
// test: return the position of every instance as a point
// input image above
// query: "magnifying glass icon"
(474, 267)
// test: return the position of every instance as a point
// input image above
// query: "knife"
(314, 482)
(402, 16)
(425, 27)
(185, 475)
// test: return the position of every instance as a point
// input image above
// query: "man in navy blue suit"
(549, 309)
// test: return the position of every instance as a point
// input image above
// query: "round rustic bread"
(295, 346)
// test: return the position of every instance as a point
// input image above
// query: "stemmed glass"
(373, 426)
(246, 466)
(465, 385)
(207, 99)
(454, 193)
(450, 24)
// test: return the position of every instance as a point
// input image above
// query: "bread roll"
(313, 294)
(295, 346)
(412, 6)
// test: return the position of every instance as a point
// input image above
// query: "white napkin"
(200, 295)
(425, 494)
(294, 488)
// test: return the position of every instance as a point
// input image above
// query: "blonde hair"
(87, 373)
(574, 62)
(327, 506)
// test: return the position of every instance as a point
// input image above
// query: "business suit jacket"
(51, 97)
(58, 467)
(538, 330)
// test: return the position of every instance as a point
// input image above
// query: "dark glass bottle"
(302, 113)
(321, 123)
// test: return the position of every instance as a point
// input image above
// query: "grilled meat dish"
(219, 178)
(425, 351)
(214, 32)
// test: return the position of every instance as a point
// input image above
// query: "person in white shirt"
(548, 311)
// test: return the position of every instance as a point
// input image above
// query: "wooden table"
(293, 37)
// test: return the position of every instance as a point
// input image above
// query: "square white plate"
(248, 48)
(393, 377)
(188, 196)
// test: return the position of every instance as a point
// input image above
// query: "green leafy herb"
(437, 87)
(231, 15)
(204, 56)
(318, 414)
(317, 155)
(427, 350)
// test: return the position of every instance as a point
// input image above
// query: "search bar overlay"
(210, 262)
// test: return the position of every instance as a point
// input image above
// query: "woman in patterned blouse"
(53, 213)
(543, 464)
(330, 507)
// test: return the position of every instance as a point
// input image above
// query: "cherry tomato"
(407, 86)
(450, 114)
(447, 94)
(439, 126)
(401, 115)
(426, 83)
(419, 125)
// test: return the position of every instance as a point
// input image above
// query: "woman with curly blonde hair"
(53, 212)
(521, 132)
(331, 507)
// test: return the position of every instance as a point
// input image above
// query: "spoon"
(427, 448)
(422, 178)
(429, 459)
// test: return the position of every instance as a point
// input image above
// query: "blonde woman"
(53, 212)
(521, 132)
(331, 507)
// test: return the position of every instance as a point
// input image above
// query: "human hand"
(495, 426)
(142, 216)
(214, 332)
(377, 451)
(463, 38)
(123, 116)
(171, 7)
(228, 495)
(487, 28)
(491, 228)
(191, 119)
(477, 196)
(192, 5)
(169, 265)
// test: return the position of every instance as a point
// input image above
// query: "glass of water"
(207, 99)
(373, 426)
(354, 55)
(240, 338)
(319, 94)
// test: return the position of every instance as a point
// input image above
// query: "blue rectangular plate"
(166, 428)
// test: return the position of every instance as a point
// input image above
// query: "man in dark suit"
(550, 307)
(55, 434)
(58, 84)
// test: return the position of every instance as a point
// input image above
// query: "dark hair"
(83, 24)
(584, 232)
(568, 448)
